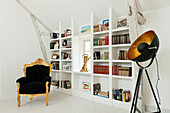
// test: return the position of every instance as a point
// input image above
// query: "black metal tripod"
(136, 93)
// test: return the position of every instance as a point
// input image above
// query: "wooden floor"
(58, 103)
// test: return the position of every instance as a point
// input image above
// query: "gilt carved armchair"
(36, 80)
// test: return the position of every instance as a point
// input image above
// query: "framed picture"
(66, 67)
(106, 55)
(55, 56)
(85, 29)
(122, 23)
(86, 86)
(105, 22)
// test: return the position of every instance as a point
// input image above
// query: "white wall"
(18, 45)
(158, 20)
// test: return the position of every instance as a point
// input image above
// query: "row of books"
(101, 41)
(55, 35)
(122, 71)
(123, 55)
(67, 32)
(65, 84)
(103, 94)
(120, 39)
(100, 69)
(55, 65)
(55, 45)
(55, 83)
(121, 95)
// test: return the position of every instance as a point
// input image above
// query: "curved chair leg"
(18, 95)
(47, 96)
(31, 98)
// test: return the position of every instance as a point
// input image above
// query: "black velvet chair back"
(37, 72)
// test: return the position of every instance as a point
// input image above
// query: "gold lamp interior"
(144, 38)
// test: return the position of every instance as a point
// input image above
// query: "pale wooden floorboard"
(58, 103)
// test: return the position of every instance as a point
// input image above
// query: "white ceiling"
(53, 11)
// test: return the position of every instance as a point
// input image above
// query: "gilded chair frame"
(39, 61)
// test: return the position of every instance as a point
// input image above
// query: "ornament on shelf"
(86, 59)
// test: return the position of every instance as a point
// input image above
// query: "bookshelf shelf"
(66, 71)
(85, 36)
(57, 39)
(121, 45)
(64, 38)
(66, 49)
(55, 70)
(122, 61)
(102, 99)
(54, 50)
(100, 60)
(67, 91)
(54, 60)
(104, 46)
(82, 73)
(121, 77)
(101, 75)
(102, 32)
(126, 105)
(66, 60)
(120, 29)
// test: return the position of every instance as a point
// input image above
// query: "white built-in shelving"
(61, 74)
(108, 81)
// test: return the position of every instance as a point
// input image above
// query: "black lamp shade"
(144, 47)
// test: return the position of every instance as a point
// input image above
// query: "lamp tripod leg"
(137, 94)
(153, 91)
(136, 91)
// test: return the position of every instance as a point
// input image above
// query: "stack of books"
(122, 71)
(101, 41)
(65, 84)
(120, 39)
(55, 83)
(55, 65)
(121, 95)
(123, 55)
(100, 69)
(67, 32)
(103, 94)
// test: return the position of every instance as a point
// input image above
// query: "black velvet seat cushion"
(33, 88)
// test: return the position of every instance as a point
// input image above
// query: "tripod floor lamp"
(144, 48)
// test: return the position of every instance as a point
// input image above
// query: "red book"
(107, 69)
(100, 70)
(117, 70)
(97, 69)
(113, 70)
(94, 69)
(104, 69)
(106, 40)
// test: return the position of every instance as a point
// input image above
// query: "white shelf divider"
(120, 29)
(104, 46)
(101, 61)
(122, 61)
(121, 77)
(102, 32)
(121, 45)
